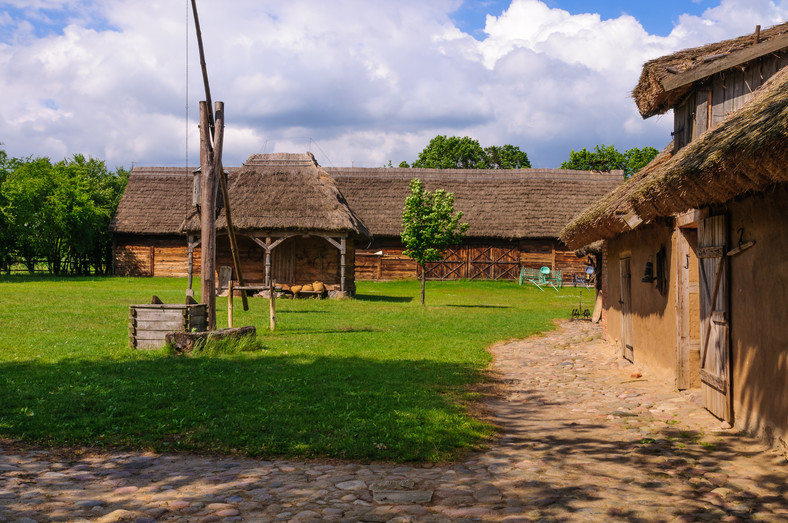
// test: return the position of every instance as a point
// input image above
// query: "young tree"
(429, 226)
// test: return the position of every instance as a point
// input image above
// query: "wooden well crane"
(213, 177)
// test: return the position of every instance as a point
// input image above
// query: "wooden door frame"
(627, 349)
(685, 257)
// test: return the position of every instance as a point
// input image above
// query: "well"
(150, 323)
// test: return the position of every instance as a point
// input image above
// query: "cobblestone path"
(583, 439)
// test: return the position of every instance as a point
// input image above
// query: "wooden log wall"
(707, 105)
(152, 256)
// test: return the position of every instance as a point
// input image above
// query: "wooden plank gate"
(477, 262)
(451, 267)
(494, 263)
(715, 360)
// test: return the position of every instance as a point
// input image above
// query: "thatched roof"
(284, 192)
(746, 153)
(156, 201)
(504, 204)
(651, 95)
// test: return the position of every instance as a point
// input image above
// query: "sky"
(356, 82)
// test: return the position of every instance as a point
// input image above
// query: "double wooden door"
(715, 357)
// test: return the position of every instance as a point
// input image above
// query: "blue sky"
(357, 82)
(657, 17)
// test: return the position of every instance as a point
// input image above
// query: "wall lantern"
(648, 273)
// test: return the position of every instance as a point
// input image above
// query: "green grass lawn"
(377, 377)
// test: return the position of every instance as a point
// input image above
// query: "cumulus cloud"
(357, 82)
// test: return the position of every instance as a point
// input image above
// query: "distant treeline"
(58, 214)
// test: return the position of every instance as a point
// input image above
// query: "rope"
(187, 85)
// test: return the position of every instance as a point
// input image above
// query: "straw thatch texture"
(284, 192)
(156, 201)
(650, 96)
(501, 204)
(747, 153)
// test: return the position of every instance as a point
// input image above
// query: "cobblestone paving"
(583, 439)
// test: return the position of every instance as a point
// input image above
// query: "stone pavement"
(583, 438)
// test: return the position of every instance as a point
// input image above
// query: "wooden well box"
(150, 323)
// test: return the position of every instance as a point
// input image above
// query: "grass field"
(374, 378)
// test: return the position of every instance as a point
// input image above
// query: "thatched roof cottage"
(702, 229)
(293, 224)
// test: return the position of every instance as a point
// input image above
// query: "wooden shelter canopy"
(665, 80)
(502, 204)
(286, 193)
(747, 153)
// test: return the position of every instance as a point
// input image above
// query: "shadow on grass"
(391, 299)
(480, 306)
(268, 405)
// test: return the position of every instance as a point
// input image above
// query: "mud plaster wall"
(653, 314)
(759, 315)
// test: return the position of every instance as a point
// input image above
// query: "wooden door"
(687, 327)
(451, 267)
(715, 339)
(493, 262)
(626, 308)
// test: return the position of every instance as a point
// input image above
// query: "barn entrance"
(715, 358)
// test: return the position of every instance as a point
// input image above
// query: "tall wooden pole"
(207, 219)
(220, 168)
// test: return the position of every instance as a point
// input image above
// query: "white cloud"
(360, 82)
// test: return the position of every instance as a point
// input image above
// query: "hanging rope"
(186, 164)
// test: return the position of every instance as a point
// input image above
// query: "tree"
(58, 212)
(638, 158)
(607, 158)
(429, 226)
(506, 157)
(452, 152)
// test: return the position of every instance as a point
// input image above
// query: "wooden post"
(190, 261)
(207, 220)
(230, 305)
(268, 261)
(342, 251)
(272, 305)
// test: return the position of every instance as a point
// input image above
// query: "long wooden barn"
(514, 216)
(695, 245)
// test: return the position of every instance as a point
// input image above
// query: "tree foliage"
(454, 152)
(58, 213)
(429, 225)
(608, 158)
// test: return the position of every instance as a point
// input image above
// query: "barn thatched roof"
(504, 204)
(746, 153)
(284, 192)
(156, 201)
(651, 95)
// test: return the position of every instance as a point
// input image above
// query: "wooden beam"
(208, 219)
(669, 83)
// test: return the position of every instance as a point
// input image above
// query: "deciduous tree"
(429, 226)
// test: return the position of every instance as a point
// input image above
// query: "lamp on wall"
(648, 273)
